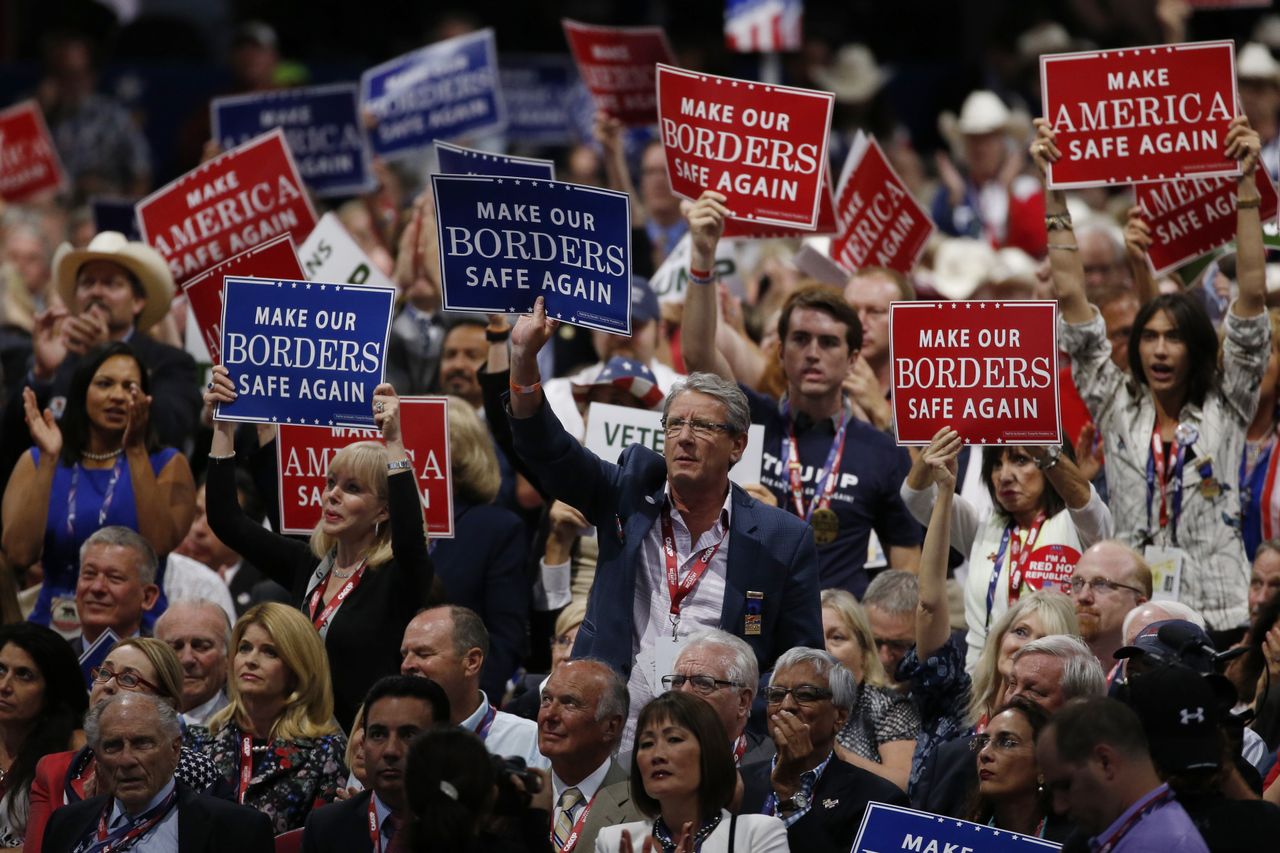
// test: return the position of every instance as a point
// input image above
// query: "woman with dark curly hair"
(1010, 793)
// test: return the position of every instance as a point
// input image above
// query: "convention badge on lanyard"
(680, 589)
(1158, 476)
(1019, 557)
(825, 523)
(322, 618)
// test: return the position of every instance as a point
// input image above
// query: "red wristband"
(700, 274)
(525, 389)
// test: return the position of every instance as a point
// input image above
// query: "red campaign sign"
(758, 231)
(1051, 566)
(275, 258)
(986, 369)
(219, 209)
(618, 65)
(28, 161)
(764, 147)
(303, 455)
(880, 222)
(1190, 218)
(1140, 114)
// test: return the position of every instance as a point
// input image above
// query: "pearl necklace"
(102, 457)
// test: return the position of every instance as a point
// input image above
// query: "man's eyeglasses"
(1004, 742)
(126, 679)
(704, 684)
(1100, 586)
(805, 694)
(701, 429)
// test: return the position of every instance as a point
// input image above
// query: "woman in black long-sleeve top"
(370, 542)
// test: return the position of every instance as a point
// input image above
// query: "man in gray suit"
(583, 710)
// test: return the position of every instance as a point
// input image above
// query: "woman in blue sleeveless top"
(100, 466)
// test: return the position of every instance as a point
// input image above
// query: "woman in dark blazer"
(366, 570)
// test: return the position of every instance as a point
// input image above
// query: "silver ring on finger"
(379, 406)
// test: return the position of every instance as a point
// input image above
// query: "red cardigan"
(47, 794)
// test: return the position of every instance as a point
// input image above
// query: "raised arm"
(1064, 254)
(933, 619)
(698, 329)
(1137, 242)
(530, 335)
(26, 497)
(166, 503)
(607, 131)
(1244, 144)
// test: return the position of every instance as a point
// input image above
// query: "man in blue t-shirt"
(839, 473)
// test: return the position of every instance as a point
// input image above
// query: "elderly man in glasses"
(721, 669)
(820, 798)
(1109, 580)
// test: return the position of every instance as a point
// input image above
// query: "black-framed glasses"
(1004, 742)
(1100, 586)
(701, 429)
(704, 684)
(127, 679)
(805, 694)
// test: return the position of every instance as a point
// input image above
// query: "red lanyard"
(246, 766)
(1155, 802)
(139, 826)
(572, 841)
(334, 603)
(680, 589)
(823, 491)
(739, 750)
(1020, 556)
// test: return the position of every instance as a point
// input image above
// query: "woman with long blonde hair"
(366, 570)
(276, 741)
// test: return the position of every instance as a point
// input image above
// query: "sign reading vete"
(303, 455)
(441, 91)
(456, 160)
(986, 369)
(1140, 114)
(894, 829)
(231, 203)
(272, 259)
(618, 65)
(880, 222)
(763, 146)
(1189, 218)
(330, 254)
(28, 161)
(302, 352)
(506, 241)
(612, 429)
(321, 123)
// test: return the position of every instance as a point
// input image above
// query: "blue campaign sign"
(442, 91)
(537, 88)
(114, 214)
(321, 124)
(304, 352)
(506, 241)
(456, 160)
(893, 829)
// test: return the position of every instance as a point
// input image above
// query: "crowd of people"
(1076, 642)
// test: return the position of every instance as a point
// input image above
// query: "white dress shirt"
(509, 736)
(651, 608)
(587, 787)
(200, 714)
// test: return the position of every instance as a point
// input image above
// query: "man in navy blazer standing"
(681, 548)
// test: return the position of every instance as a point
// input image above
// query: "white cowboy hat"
(853, 75)
(982, 112)
(1255, 62)
(138, 258)
(960, 265)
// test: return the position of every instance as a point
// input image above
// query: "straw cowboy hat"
(982, 112)
(852, 76)
(1255, 62)
(144, 262)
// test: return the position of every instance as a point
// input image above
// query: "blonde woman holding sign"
(1044, 515)
(1174, 427)
(366, 571)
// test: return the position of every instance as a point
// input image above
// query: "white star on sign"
(273, 418)
(289, 420)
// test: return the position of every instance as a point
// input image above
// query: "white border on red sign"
(34, 106)
(1166, 48)
(1047, 304)
(768, 87)
(273, 134)
(434, 400)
